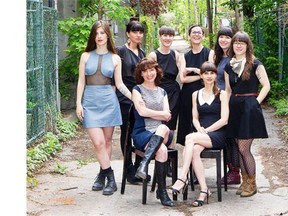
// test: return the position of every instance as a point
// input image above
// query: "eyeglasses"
(238, 43)
(196, 32)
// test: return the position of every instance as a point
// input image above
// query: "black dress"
(209, 113)
(185, 113)
(246, 120)
(129, 61)
(169, 66)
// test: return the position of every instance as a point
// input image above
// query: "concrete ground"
(71, 194)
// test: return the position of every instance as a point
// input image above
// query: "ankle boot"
(161, 192)
(233, 176)
(99, 182)
(250, 188)
(243, 184)
(111, 185)
(152, 147)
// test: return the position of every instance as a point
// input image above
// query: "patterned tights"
(232, 152)
(247, 161)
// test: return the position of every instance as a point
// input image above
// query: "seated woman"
(149, 134)
(210, 112)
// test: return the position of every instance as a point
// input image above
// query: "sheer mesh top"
(99, 69)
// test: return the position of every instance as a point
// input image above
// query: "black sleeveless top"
(129, 60)
(196, 60)
(168, 64)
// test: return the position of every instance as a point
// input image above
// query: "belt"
(246, 94)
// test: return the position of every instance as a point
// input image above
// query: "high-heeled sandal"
(198, 203)
(175, 191)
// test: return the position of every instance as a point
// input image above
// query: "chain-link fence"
(41, 70)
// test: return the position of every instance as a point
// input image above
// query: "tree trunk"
(195, 11)
(238, 17)
(210, 23)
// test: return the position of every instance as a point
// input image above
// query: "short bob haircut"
(166, 30)
(145, 64)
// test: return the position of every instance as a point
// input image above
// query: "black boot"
(138, 160)
(111, 185)
(131, 175)
(169, 168)
(161, 192)
(99, 182)
(152, 147)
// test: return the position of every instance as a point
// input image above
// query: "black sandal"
(175, 191)
(198, 203)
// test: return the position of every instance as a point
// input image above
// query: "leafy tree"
(150, 7)
(112, 9)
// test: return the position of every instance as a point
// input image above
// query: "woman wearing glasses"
(246, 122)
(191, 80)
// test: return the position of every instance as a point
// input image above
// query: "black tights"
(247, 160)
(232, 152)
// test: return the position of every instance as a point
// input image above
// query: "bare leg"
(200, 139)
(108, 133)
(199, 171)
(102, 150)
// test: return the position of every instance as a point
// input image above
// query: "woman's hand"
(167, 115)
(79, 112)
(202, 130)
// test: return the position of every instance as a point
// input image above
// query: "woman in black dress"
(210, 115)
(130, 54)
(191, 80)
(246, 122)
(171, 62)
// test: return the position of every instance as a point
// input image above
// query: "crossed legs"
(195, 143)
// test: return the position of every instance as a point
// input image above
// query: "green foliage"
(31, 182)
(278, 90)
(67, 129)
(77, 31)
(59, 169)
(263, 30)
(30, 104)
(281, 106)
(151, 33)
(167, 19)
(114, 9)
(37, 155)
(84, 162)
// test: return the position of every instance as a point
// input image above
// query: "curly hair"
(143, 65)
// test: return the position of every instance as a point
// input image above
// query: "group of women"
(219, 99)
